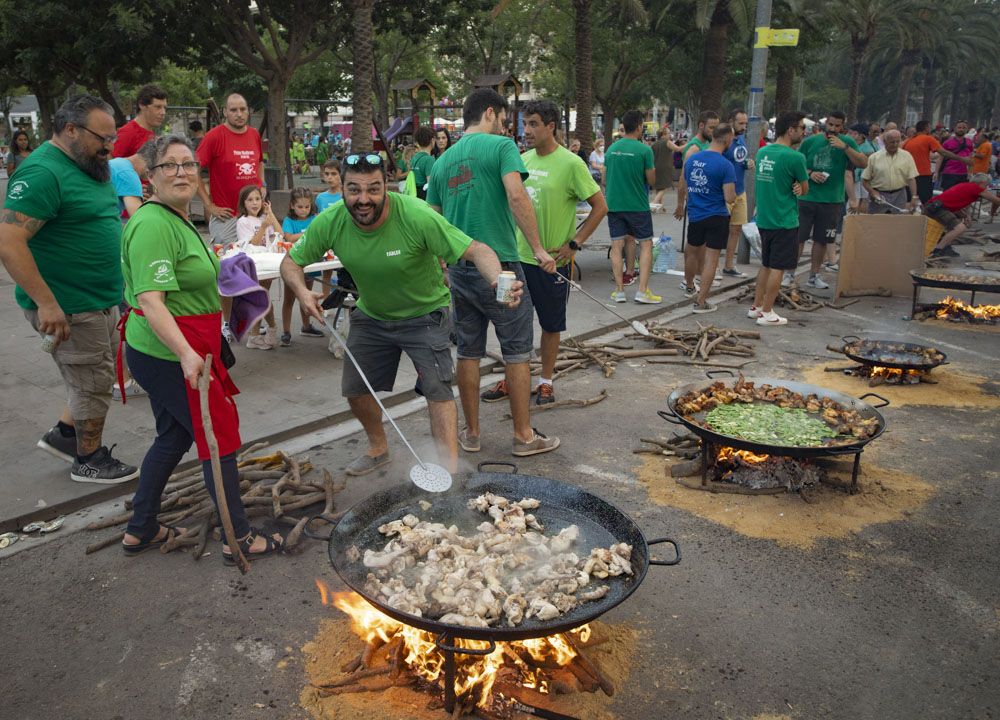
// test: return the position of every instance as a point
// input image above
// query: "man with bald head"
(890, 173)
(232, 154)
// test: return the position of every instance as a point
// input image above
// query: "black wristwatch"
(574, 245)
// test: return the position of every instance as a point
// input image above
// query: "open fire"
(764, 472)
(878, 375)
(490, 684)
(957, 311)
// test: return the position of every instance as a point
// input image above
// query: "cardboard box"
(878, 251)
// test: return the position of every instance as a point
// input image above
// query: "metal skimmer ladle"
(426, 476)
(636, 325)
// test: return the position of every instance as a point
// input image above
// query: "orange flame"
(728, 454)
(475, 675)
(952, 307)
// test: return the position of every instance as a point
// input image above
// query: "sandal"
(273, 546)
(144, 545)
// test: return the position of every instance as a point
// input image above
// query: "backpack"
(410, 188)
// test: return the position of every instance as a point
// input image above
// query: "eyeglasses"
(172, 168)
(367, 158)
(105, 140)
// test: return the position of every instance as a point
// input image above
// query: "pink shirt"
(963, 147)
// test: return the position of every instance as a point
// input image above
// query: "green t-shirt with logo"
(421, 164)
(778, 166)
(625, 163)
(396, 265)
(823, 157)
(163, 251)
(77, 248)
(467, 184)
(556, 183)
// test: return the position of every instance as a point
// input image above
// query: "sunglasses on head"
(363, 158)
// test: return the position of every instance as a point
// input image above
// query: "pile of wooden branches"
(271, 486)
(700, 344)
(794, 298)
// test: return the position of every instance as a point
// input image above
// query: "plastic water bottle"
(663, 253)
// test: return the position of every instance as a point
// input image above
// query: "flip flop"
(44, 526)
(143, 546)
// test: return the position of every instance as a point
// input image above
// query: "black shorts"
(820, 219)
(637, 224)
(925, 188)
(548, 296)
(779, 249)
(377, 344)
(712, 231)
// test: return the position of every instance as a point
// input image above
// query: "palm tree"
(584, 70)
(363, 52)
(860, 19)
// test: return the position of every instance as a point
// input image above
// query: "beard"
(376, 214)
(96, 166)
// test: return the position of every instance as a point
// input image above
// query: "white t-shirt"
(596, 159)
(247, 226)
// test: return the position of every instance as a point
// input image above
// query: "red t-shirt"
(131, 137)
(959, 196)
(233, 162)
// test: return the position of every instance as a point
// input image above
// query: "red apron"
(202, 333)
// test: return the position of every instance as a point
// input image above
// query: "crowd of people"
(145, 287)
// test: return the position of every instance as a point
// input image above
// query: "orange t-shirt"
(921, 147)
(982, 165)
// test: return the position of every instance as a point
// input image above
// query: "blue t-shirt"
(326, 198)
(738, 155)
(125, 180)
(706, 172)
(295, 226)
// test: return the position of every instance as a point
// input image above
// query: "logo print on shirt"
(162, 273)
(740, 153)
(393, 253)
(698, 177)
(463, 177)
(245, 169)
(17, 190)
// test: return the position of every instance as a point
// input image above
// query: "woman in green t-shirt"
(171, 282)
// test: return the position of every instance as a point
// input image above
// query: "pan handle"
(875, 395)
(670, 416)
(847, 339)
(844, 451)
(719, 373)
(677, 551)
(312, 535)
(488, 463)
(442, 644)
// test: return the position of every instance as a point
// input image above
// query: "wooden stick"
(292, 539)
(252, 449)
(569, 403)
(106, 542)
(353, 678)
(606, 686)
(699, 363)
(867, 292)
(213, 449)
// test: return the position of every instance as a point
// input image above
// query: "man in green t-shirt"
(60, 240)
(422, 160)
(557, 180)
(630, 169)
(390, 244)
(829, 155)
(781, 177)
(477, 183)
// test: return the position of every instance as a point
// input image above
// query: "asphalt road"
(899, 620)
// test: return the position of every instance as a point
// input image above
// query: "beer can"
(49, 343)
(505, 286)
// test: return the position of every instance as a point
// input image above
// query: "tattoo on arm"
(12, 217)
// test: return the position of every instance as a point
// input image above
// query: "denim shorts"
(377, 345)
(476, 306)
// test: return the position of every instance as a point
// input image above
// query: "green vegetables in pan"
(769, 424)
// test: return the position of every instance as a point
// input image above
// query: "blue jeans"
(164, 381)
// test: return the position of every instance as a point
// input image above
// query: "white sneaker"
(258, 342)
(788, 279)
(132, 389)
(771, 318)
(815, 281)
(619, 296)
(753, 313)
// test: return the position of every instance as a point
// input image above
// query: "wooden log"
(249, 451)
(353, 678)
(700, 364)
(569, 402)
(203, 533)
(293, 537)
(365, 687)
(685, 469)
(370, 649)
(729, 488)
(109, 522)
(352, 664)
(106, 542)
(607, 687)
(867, 292)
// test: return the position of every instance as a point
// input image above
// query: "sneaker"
(950, 252)
(227, 333)
(754, 313)
(707, 307)
(788, 279)
(102, 468)
(545, 394)
(771, 318)
(132, 389)
(618, 296)
(537, 445)
(733, 273)
(310, 331)
(688, 290)
(366, 464)
(647, 297)
(468, 442)
(831, 267)
(815, 281)
(496, 393)
(286, 339)
(258, 342)
(54, 443)
(628, 278)
(271, 337)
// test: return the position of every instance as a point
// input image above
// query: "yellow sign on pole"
(774, 37)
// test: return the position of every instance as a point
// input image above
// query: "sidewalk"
(284, 392)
